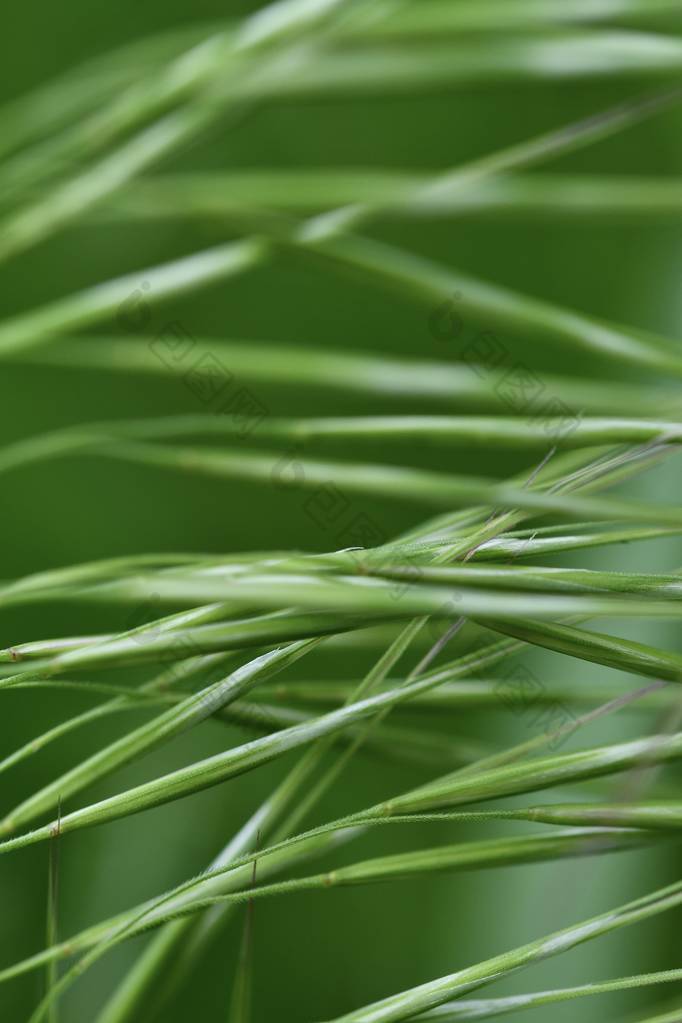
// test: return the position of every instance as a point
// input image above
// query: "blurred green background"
(316, 955)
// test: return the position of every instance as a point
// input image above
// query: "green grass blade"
(489, 1008)
(247, 757)
(409, 1003)
(435, 489)
(402, 69)
(378, 377)
(439, 17)
(357, 596)
(250, 200)
(164, 646)
(80, 91)
(534, 775)
(622, 654)
(664, 816)
(468, 694)
(567, 431)
(105, 300)
(493, 307)
(189, 712)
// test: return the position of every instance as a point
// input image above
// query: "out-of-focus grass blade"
(224, 55)
(472, 694)
(248, 200)
(489, 1008)
(438, 17)
(104, 300)
(534, 775)
(432, 488)
(245, 758)
(472, 430)
(494, 307)
(83, 192)
(52, 925)
(505, 58)
(675, 1016)
(95, 571)
(81, 90)
(437, 383)
(568, 431)
(189, 712)
(463, 856)
(415, 1000)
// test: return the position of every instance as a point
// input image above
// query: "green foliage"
(191, 639)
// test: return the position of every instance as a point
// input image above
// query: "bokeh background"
(315, 955)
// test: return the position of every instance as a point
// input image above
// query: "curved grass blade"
(464, 856)
(80, 91)
(409, 1003)
(189, 712)
(534, 775)
(668, 1017)
(468, 694)
(105, 300)
(181, 644)
(83, 192)
(661, 815)
(490, 1008)
(439, 17)
(247, 757)
(399, 1007)
(494, 307)
(192, 936)
(556, 540)
(400, 69)
(487, 432)
(357, 596)
(224, 55)
(378, 377)
(622, 654)
(251, 200)
(437, 489)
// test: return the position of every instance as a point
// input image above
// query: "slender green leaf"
(409, 1003)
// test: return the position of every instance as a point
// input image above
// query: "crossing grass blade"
(439, 17)
(490, 1008)
(184, 715)
(76, 150)
(433, 488)
(251, 200)
(493, 307)
(439, 384)
(426, 996)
